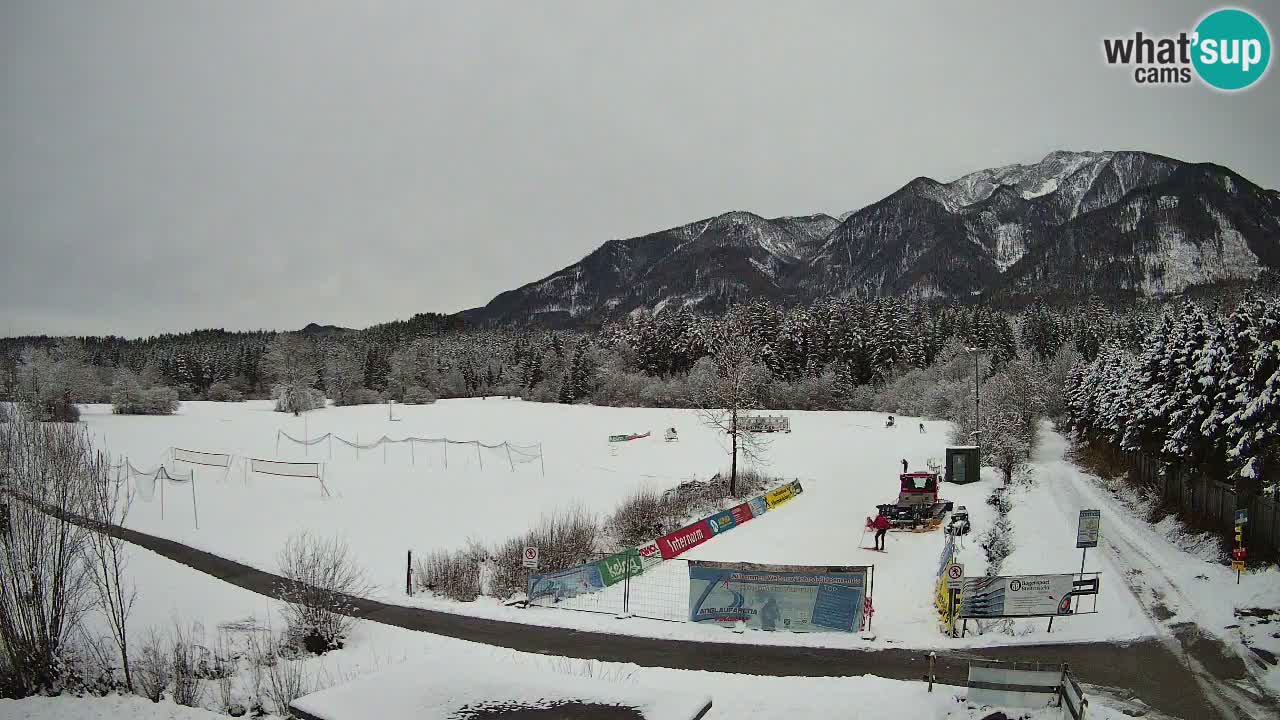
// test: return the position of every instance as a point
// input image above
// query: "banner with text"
(798, 598)
(564, 584)
(1016, 596)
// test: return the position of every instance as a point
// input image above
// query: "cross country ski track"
(1147, 669)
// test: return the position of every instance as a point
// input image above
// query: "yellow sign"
(776, 497)
(1237, 565)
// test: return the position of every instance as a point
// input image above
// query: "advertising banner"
(563, 584)
(774, 498)
(758, 506)
(615, 568)
(673, 544)
(729, 519)
(1016, 596)
(650, 554)
(798, 598)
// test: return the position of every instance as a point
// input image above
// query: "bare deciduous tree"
(724, 388)
(291, 364)
(106, 555)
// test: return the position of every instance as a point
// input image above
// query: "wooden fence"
(1211, 504)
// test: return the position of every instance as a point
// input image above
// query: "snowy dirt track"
(1192, 603)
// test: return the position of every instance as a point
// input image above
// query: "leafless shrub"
(153, 667)
(226, 666)
(288, 682)
(418, 395)
(46, 474)
(321, 581)
(455, 575)
(188, 684)
(644, 515)
(564, 539)
(647, 514)
(222, 392)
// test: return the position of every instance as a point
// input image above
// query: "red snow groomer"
(918, 508)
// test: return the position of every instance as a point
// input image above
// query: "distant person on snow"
(904, 465)
(881, 524)
(889, 422)
(921, 428)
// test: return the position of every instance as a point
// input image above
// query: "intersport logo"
(1229, 49)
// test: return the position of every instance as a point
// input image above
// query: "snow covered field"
(847, 461)
(172, 592)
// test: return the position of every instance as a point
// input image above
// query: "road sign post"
(1088, 530)
(1238, 553)
(955, 578)
(530, 563)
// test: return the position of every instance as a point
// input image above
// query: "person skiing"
(904, 465)
(881, 524)
(921, 428)
(889, 422)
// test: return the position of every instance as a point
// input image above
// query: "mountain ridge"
(1074, 223)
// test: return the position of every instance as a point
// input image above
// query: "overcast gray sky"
(172, 165)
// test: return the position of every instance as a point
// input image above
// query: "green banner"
(614, 568)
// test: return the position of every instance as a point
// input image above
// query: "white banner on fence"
(287, 469)
(1016, 596)
(1003, 685)
(197, 457)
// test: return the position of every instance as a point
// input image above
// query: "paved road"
(1146, 669)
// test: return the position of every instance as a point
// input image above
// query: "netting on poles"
(428, 451)
(199, 457)
(288, 469)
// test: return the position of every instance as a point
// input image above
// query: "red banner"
(683, 539)
(741, 513)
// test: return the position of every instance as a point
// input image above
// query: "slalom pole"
(509, 460)
(477, 442)
(160, 481)
(446, 453)
(542, 462)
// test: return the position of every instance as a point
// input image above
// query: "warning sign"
(955, 576)
(531, 557)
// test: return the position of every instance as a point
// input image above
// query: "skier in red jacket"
(881, 524)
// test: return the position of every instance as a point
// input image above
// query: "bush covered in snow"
(130, 397)
(418, 395)
(296, 399)
(223, 392)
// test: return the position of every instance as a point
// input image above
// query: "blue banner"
(798, 598)
(564, 584)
